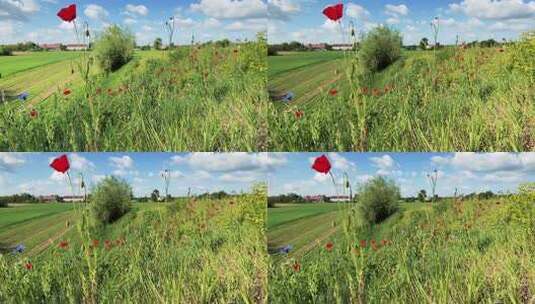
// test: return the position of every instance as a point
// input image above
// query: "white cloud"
(7, 28)
(356, 11)
(230, 9)
(66, 25)
(229, 162)
(17, 9)
(96, 12)
(123, 162)
(141, 10)
(282, 9)
(385, 164)
(79, 162)
(489, 162)
(241, 177)
(340, 162)
(57, 176)
(9, 161)
(396, 10)
(248, 25)
(392, 20)
(129, 21)
(495, 10)
(211, 23)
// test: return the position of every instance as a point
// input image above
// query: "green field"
(179, 252)
(446, 252)
(30, 60)
(454, 100)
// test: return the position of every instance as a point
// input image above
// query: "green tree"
(157, 43)
(111, 199)
(114, 48)
(380, 48)
(155, 195)
(424, 43)
(378, 199)
(422, 195)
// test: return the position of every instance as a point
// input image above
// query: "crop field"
(452, 251)
(202, 98)
(179, 252)
(456, 99)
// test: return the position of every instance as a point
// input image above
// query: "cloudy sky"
(36, 20)
(30, 172)
(468, 172)
(302, 20)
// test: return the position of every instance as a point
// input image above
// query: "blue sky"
(36, 20)
(30, 172)
(302, 20)
(468, 172)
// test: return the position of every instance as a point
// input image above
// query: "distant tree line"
(422, 196)
(285, 199)
(273, 49)
(24, 198)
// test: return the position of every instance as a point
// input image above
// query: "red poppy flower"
(107, 244)
(98, 91)
(374, 247)
(376, 92)
(296, 267)
(119, 242)
(66, 92)
(333, 92)
(334, 12)
(363, 243)
(61, 164)
(63, 244)
(322, 164)
(28, 266)
(298, 114)
(34, 113)
(68, 13)
(384, 242)
(329, 246)
(364, 90)
(95, 243)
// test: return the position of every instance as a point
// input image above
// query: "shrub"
(114, 48)
(4, 51)
(378, 199)
(523, 53)
(380, 48)
(111, 199)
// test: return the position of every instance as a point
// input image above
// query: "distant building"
(73, 199)
(51, 47)
(339, 198)
(48, 198)
(342, 47)
(69, 47)
(76, 47)
(313, 198)
(317, 46)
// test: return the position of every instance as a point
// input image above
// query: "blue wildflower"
(286, 249)
(19, 249)
(288, 97)
(23, 96)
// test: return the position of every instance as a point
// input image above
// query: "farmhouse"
(313, 198)
(339, 198)
(48, 198)
(317, 46)
(342, 47)
(73, 199)
(58, 46)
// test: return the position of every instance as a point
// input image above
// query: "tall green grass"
(460, 100)
(195, 251)
(454, 252)
(196, 99)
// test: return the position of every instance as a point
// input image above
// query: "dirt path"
(45, 244)
(305, 249)
(47, 93)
